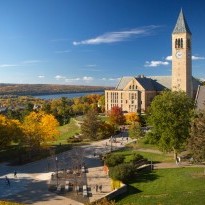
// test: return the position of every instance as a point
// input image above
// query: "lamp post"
(57, 170)
(111, 138)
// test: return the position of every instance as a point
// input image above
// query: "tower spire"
(181, 25)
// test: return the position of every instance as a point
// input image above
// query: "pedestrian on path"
(7, 181)
(15, 174)
(96, 188)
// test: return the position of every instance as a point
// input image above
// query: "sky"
(94, 42)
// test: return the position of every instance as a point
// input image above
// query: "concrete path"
(31, 184)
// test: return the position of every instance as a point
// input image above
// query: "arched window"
(176, 45)
(130, 87)
(181, 43)
(136, 87)
(133, 87)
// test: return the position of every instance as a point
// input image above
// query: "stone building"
(135, 94)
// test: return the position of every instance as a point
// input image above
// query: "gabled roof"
(164, 81)
(155, 83)
(181, 25)
(123, 82)
(200, 98)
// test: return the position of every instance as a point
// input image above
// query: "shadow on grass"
(142, 176)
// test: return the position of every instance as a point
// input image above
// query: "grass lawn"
(67, 131)
(179, 186)
(155, 157)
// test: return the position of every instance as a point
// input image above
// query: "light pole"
(111, 138)
(57, 170)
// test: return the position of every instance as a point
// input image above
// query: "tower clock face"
(178, 54)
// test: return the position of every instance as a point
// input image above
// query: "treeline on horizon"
(46, 89)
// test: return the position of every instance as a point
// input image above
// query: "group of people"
(98, 187)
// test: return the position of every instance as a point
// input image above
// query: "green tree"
(170, 116)
(122, 172)
(90, 125)
(113, 160)
(106, 130)
(135, 131)
(196, 142)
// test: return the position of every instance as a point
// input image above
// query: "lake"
(67, 95)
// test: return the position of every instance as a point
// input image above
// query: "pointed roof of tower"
(181, 25)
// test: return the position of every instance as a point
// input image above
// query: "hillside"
(44, 89)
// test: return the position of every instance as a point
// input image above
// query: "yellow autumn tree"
(10, 130)
(132, 118)
(39, 128)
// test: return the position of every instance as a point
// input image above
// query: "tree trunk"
(175, 154)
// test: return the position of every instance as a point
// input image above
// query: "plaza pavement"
(31, 184)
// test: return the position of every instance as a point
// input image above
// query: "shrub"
(122, 172)
(113, 160)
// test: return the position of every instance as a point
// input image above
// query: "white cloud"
(114, 79)
(197, 58)
(91, 65)
(59, 77)
(168, 58)
(72, 79)
(112, 37)
(86, 78)
(65, 51)
(41, 76)
(155, 63)
(7, 65)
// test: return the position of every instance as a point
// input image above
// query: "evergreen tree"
(90, 125)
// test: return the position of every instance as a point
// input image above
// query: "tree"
(90, 125)
(106, 130)
(113, 160)
(116, 116)
(122, 172)
(10, 130)
(135, 131)
(39, 128)
(132, 118)
(196, 142)
(170, 116)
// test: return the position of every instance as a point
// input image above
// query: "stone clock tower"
(181, 56)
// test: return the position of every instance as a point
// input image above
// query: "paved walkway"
(31, 184)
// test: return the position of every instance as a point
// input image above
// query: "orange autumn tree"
(116, 116)
(39, 128)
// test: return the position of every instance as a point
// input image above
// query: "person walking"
(15, 174)
(7, 181)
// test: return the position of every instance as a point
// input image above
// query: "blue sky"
(93, 42)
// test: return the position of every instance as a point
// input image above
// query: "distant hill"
(46, 89)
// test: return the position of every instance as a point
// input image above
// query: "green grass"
(148, 155)
(179, 186)
(67, 131)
